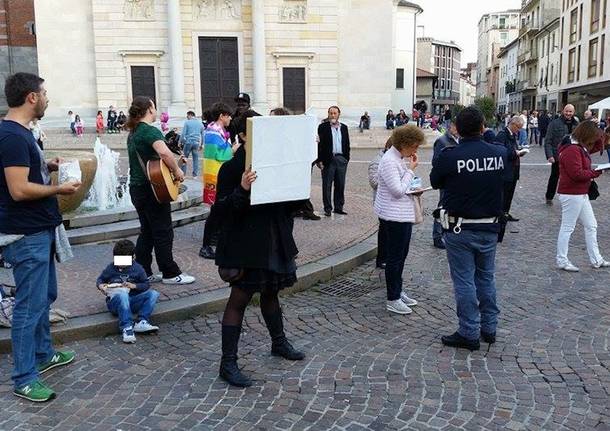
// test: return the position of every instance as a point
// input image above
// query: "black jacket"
(471, 176)
(512, 169)
(325, 146)
(249, 234)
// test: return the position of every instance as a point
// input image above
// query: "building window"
(604, 13)
(573, 25)
(502, 22)
(560, 66)
(571, 65)
(400, 78)
(594, 15)
(580, 24)
(592, 72)
(543, 48)
(551, 80)
(601, 56)
(578, 64)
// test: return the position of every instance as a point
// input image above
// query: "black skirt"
(255, 280)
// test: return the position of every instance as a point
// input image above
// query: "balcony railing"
(526, 85)
(527, 56)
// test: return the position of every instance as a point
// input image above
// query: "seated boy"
(127, 290)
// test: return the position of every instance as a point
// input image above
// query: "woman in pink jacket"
(575, 176)
(396, 209)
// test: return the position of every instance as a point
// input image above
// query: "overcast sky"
(457, 20)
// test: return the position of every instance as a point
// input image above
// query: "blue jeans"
(608, 151)
(522, 137)
(194, 149)
(471, 256)
(398, 236)
(36, 290)
(124, 305)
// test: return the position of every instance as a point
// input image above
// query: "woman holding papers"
(575, 182)
(396, 209)
(256, 253)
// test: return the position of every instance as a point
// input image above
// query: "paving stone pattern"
(365, 368)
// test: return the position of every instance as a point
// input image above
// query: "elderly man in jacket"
(558, 128)
(509, 137)
(448, 140)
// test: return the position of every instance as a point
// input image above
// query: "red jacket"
(575, 173)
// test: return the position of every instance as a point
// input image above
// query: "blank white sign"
(281, 150)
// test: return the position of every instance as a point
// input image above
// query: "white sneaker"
(398, 307)
(601, 264)
(155, 278)
(568, 267)
(128, 335)
(144, 327)
(183, 278)
(409, 301)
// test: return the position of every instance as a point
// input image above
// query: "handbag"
(231, 275)
(593, 191)
(418, 209)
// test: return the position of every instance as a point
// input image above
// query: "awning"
(601, 105)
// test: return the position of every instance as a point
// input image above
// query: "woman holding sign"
(256, 253)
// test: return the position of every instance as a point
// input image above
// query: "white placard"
(281, 150)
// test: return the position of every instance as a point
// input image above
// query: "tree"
(488, 108)
(455, 110)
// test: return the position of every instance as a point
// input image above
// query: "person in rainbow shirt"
(217, 149)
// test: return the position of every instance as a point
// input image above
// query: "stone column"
(259, 56)
(177, 106)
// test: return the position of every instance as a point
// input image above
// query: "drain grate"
(349, 287)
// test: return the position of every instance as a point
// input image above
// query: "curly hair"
(407, 136)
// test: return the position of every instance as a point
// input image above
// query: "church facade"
(188, 54)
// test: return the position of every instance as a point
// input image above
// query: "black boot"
(228, 364)
(279, 344)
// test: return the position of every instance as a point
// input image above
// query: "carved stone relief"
(139, 10)
(217, 9)
(293, 13)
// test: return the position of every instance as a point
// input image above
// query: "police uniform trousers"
(471, 255)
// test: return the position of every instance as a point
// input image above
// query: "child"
(128, 291)
(99, 123)
(79, 126)
(112, 118)
(164, 120)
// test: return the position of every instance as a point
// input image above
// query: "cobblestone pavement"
(366, 369)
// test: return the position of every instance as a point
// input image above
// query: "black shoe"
(340, 212)
(511, 218)
(280, 346)
(327, 213)
(456, 340)
(439, 244)
(207, 252)
(229, 371)
(381, 265)
(311, 216)
(488, 337)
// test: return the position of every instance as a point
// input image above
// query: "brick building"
(17, 41)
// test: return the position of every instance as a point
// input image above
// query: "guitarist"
(146, 142)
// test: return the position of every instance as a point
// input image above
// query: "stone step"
(123, 229)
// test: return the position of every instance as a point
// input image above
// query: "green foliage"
(455, 110)
(488, 107)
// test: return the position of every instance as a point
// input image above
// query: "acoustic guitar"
(165, 187)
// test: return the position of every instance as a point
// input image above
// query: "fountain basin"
(88, 167)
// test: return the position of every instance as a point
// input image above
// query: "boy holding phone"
(127, 290)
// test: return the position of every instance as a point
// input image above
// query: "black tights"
(239, 300)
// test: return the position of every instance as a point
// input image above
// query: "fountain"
(107, 191)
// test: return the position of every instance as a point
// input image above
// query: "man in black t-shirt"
(29, 215)
(237, 128)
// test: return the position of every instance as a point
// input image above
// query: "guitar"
(165, 187)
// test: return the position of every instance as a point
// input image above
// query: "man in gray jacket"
(558, 128)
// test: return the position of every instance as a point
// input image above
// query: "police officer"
(470, 175)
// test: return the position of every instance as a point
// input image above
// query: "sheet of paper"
(602, 167)
(422, 190)
(281, 150)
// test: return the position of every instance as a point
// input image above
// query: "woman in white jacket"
(396, 209)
